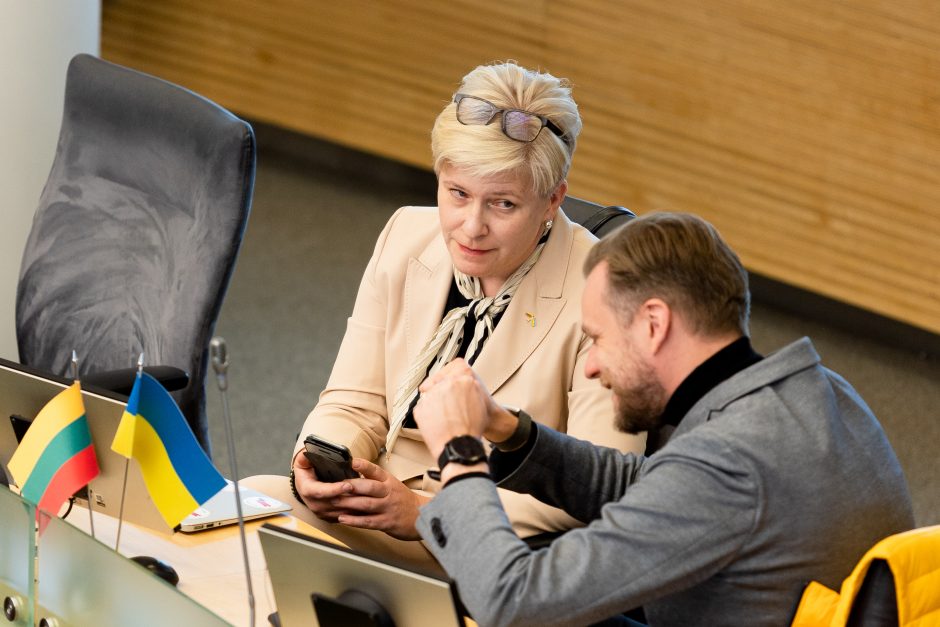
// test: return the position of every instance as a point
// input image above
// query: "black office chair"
(137, 231)
(597, 219)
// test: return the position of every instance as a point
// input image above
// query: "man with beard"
(777, 472)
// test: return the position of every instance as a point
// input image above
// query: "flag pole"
(91, 518)
(127, 463)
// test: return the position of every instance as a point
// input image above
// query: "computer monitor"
(24, 391)
(303, 568)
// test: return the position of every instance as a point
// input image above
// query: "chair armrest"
(121, 381)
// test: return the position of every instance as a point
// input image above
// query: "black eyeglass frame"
(544, 120)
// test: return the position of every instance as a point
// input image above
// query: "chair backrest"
(137, 230)
(597, 219)
(896, 582)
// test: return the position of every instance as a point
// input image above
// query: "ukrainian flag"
(56, 456)
(177, 472)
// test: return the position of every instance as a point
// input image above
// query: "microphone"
(219, 354)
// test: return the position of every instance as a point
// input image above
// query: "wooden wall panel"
(808, 131)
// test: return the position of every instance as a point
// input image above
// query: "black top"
(727, 362)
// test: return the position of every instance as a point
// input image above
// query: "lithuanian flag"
(177, 472)
(56, 456)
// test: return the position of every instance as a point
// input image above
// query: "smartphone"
(332, 462)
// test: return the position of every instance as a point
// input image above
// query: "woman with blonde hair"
(493, 275)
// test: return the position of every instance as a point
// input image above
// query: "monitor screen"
(23, 393)
(306, 572)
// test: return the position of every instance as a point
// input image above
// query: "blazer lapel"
(531, 313)
(427, 283)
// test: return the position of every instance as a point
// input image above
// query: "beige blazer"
(534, 360)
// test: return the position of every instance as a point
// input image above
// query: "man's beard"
(640, 407)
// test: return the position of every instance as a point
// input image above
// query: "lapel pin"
(530, 318)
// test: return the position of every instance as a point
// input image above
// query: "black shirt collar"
(727, 362)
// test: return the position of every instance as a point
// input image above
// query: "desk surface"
(208, 562)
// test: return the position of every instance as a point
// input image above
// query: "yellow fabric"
(817, 607)
(914, 559)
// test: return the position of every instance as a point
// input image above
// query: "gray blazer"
(779, 475)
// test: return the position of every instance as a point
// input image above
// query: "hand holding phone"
(332, 462)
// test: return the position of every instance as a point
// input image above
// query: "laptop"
(222, 509)
(320, 584)
(25, 390)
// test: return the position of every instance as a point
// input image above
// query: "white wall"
(37, 40)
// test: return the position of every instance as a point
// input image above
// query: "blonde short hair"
(485, 150)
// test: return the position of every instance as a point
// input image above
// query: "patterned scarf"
(446, 341)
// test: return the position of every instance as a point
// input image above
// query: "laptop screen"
(304, 569)
(24, 391)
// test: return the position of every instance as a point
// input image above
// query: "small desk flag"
(177, 472)
(56, 456)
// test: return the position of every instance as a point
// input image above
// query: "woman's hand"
(379, 501)
(317, 495)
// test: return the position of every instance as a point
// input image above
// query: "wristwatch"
(465, 450)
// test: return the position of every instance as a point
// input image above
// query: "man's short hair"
(681, 259)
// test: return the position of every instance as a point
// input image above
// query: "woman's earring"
(548, 224)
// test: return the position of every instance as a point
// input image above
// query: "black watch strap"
(520, 436)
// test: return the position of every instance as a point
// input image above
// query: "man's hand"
(468, 406)
(453, 402)
(317, 495)
(379, 501)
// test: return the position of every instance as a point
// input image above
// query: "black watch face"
(466, 449)
(466, 446)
